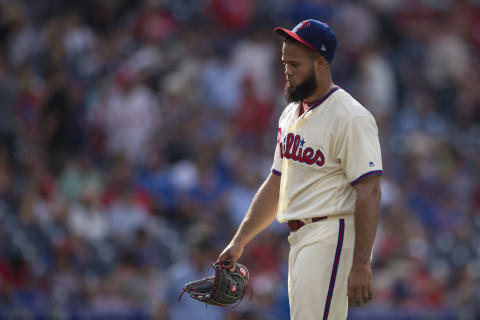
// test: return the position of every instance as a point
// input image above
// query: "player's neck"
(321, 91)
(314, 99)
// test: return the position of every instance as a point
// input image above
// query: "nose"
(288, 70)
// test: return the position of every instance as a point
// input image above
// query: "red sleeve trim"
(368, 174)
(276, 172)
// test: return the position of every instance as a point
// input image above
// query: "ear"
(319, 62)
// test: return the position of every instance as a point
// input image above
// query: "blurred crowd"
(134, 134)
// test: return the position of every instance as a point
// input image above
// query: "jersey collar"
(312, 105)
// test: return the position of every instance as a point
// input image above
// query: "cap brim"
(287, 33)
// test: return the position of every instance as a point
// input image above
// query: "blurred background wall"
(134, 134)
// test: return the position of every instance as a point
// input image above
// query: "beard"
(301, 91)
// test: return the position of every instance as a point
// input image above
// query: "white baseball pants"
(319, 263)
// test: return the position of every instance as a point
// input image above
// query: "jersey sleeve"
(358, 149)
(277, 160)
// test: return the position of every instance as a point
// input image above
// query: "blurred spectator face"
(299, 72)
(202, 254)
(90, 197)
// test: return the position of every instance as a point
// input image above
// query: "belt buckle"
(306, 220)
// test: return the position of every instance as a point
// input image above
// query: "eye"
(291, 64)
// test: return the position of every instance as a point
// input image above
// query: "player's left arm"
(367, 209)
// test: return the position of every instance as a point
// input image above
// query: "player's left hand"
(360, 289)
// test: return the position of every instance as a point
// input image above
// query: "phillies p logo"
(304, 24)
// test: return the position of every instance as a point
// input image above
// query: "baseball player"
(325, 183)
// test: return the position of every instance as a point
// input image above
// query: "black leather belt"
(294, 225)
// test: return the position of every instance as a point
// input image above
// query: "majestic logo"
(292, 148)
(304, 24)
(371, 164)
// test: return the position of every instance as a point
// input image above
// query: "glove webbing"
(185, 290)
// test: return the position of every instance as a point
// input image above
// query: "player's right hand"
(230, 255)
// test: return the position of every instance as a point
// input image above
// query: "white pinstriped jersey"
(322, 154)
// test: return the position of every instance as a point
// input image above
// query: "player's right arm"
(260, 215)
